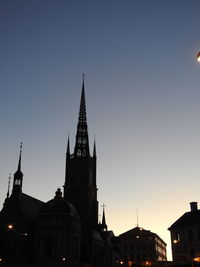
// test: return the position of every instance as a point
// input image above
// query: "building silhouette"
(140, 245)
(65, 230)
(185, 236)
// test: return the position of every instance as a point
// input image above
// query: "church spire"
(104, 225)
(82, 141)
(18, 177)
(8, 192)
(94, 149)
(68, 146)
(20, 155)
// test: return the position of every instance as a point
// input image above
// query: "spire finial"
(20, 155)
(137, 219)
(8, 192)
(103, 206)
(94, 148)
(68, 145)
(104, 225)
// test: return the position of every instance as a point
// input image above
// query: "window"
(78, 153)
(17, 182)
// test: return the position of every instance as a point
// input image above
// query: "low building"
(185, 235)
(140, 245)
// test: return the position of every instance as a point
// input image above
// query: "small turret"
(8, 192)
(103, 224)
(18, 178)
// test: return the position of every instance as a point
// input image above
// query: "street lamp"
(11, 227)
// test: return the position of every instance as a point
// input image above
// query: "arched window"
(84, 152)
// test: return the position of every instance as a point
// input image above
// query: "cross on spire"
(103, 206)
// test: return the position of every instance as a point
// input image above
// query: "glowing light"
(137, 236)
(197, 259)
(198, 57)
(0, 259)
(10, 226)
(148, 263)
(175, 241)
(121, 262)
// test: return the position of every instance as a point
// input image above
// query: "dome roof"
(58, 205)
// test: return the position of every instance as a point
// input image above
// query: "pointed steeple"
(8, 192)
(104, 225)
(18, 178)
(82, 110)
(20, 156)
(68, 146)
(82, 141)
(94, 149)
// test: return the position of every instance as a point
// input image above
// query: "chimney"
(193, 206)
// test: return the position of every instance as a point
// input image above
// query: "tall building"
(64, 230)
(140, 245)
(185, 235)
(80, 187)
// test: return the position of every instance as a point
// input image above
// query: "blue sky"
(142, 91)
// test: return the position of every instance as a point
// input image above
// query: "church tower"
(18, 179)
(80, 187)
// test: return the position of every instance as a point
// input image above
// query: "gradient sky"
(143, 101)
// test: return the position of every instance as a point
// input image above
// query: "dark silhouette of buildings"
(140, 245)
(185, 236)
(65, 230)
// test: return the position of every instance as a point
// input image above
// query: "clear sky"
(143, 101)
